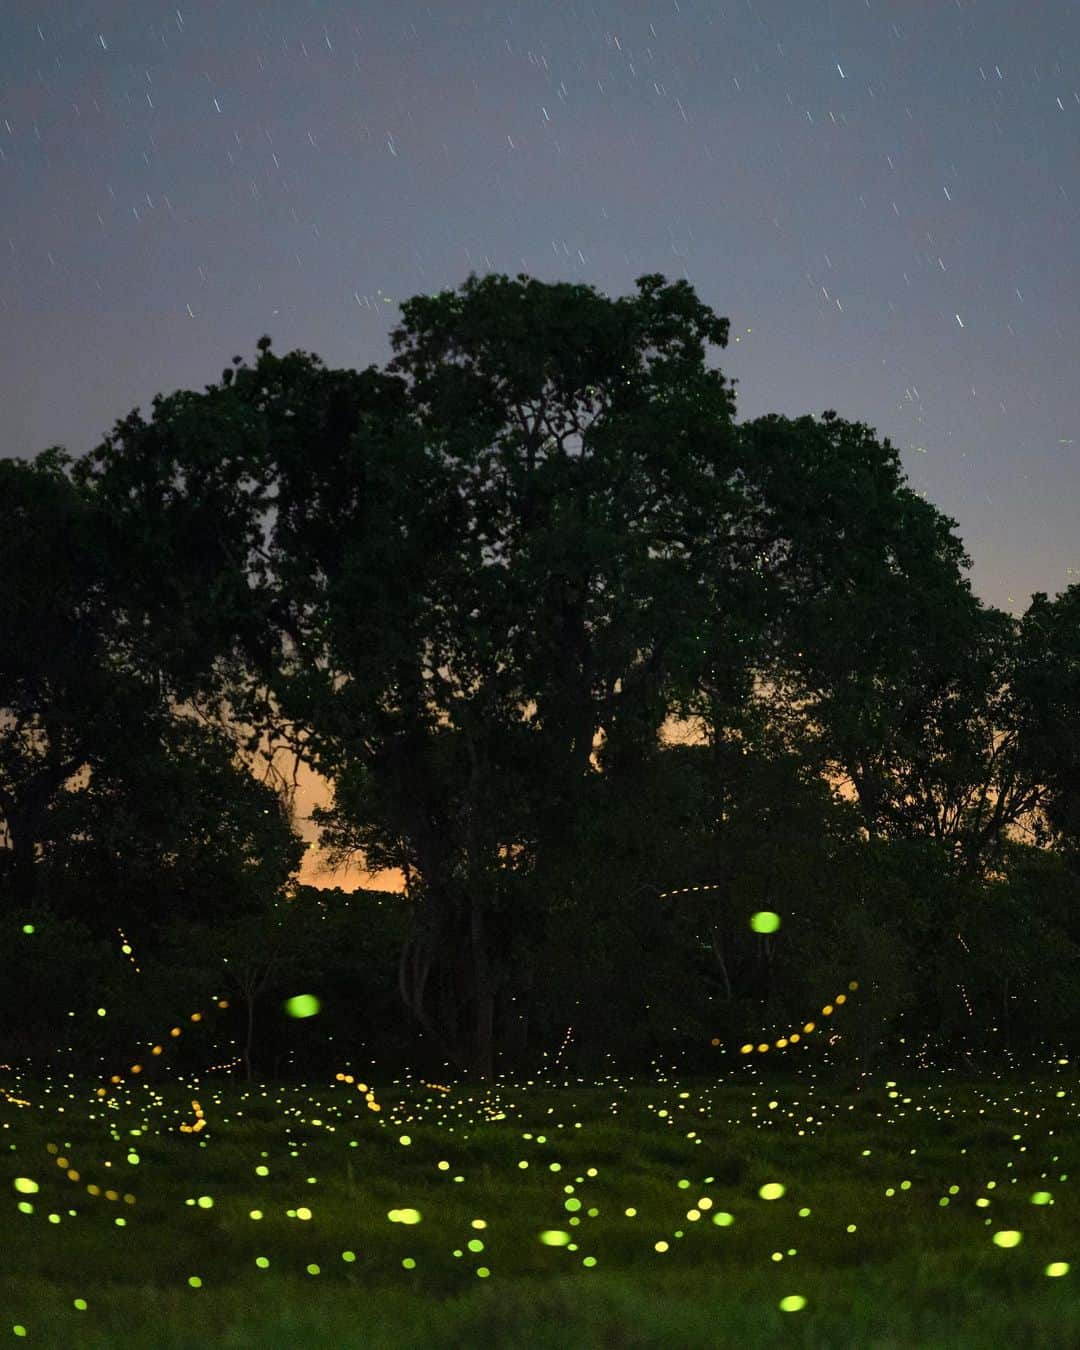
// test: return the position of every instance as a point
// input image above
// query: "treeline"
(470, 590)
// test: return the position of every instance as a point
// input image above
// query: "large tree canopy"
(470, 590)
(438, 563)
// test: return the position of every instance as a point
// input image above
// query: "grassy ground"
(420, 1224)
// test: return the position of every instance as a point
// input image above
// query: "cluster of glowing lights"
(794, 1037)
(578, 1211)
(10, 1096)
(764, 922)
(562, 1048)
(155, 1050)
(198, 1124)
(688, 890)
(128, 950)
(306, 1005)
(369, 1094)
(224, 1066)
(135, 1070)
(92, 1188)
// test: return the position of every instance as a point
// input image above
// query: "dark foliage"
(471, 590)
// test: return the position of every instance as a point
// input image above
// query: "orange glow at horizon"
(313, 790)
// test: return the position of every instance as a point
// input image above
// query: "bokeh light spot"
(765, 921)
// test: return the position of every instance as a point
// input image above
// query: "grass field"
(613, 1213)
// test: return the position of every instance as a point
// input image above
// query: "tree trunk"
(434, 975)
(483, 1048)
(414, 968)
(250, 1002)
(719, 953)
(449, 978)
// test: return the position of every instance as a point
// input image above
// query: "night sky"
(881, 197)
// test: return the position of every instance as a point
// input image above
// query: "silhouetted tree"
(470, 590)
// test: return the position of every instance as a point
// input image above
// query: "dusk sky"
(881, 197)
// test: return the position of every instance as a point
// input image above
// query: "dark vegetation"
(470, 589)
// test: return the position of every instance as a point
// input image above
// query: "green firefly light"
(765, 921)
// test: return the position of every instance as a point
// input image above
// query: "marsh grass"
(913, 1272)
